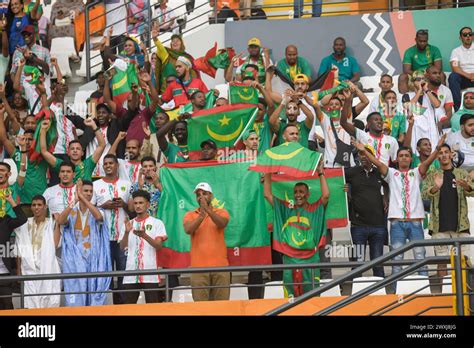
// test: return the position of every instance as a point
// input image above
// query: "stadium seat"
(239, 292)
(413, 283)
(141, 298)
(62, 48)
(370, 82)
(274, 290)
(182, 294)
(96, 64)
(447, 287)
(223, 90)
(363, 282)
(14, 170)
(335, 291)
(80, 105)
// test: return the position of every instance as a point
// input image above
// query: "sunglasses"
(466, 34)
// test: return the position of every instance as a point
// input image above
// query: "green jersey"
(5, 207)
(398, 124)
(176, 153)
(35, 181)
(303, 130)
(290, 71)
(83, 170)
(263, 130)
(421, 60)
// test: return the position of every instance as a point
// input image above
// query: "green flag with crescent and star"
(235, 189)
(239, 93)
(224, 125)
(336, 210)
(290, 158)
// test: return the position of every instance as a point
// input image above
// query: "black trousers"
(326, 273)
(150, 296)
(5, 290)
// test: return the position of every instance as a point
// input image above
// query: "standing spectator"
(392, 116)
(150, 145)
(166, 17)
(368, 201)
(462, 65)
(347, 65)
(418, 58)
(293, 65)
(206, 225)
(36, 243)
(113, 196)
(141, 245)
(85, 248)
(406, 211)
(300, 241)
(116, 16)
(444, 112)
(138, 17)
(298, 8)
(17, 20)
(462, 142)
(5, 55)
(149, 181)
(174, 152)
(58, 197)
(208, 150)
(258, 56)
(466, 108)
(185, 85)
(98, 96)
(447, 189)
(385, 84)
(385, 146)
(7, 225)
(423, 105)
(129, 168)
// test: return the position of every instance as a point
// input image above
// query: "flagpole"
(246, 126)
(316, 166)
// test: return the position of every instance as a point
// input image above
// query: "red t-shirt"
(175, 91)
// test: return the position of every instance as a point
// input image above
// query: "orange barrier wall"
(253, 307)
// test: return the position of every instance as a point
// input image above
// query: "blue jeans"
(120, 260)
(298, 6)
(375, 237)
(456, 84)
(400, 232)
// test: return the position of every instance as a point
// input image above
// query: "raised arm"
(17, 79)
(409, 133)
(92, 208)
(364, 101)
(425, 165)
(35, 14)
(48, 157)
(14, 124)
(383, 169)
(266, 96)
(113, 149)
(54, 63)
(324, 184)
(268, 85)
(3, 25)
(267, 188)
(9, 146)
(345, 113)
(23, 160)
(108, 94)
(309, 115)
(89, 122)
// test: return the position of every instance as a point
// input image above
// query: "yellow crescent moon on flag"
(276, 156)
(120, 83)
(303, 220)
(225, 137)
(245, 98)
(294, 240)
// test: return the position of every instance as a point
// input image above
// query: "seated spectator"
(181, 90)
(467, 108)
(43, 30)
(292, 64)
(206, 227)
(62, 25)
(224, 9)
(208, 150)
(385, 84)
(166, 17)
(97, 19)
(422, 104)
(132, 51)
(462, 65)
(418, 58)
(444, 112)
(17, 20)
(462, 142)
(258, 56)
(347, 65)
(298, 8)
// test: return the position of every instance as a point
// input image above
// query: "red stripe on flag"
(289, 251)
(224, 108)
(328, 173)
(295, 173)
(336, 223)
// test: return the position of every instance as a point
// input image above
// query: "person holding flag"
(85, 248)
(113, 196)
(179, 127)
(299, 232)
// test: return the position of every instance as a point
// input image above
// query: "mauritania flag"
(224, 125)
(239, 93)
(289, 158)
(122, 82)
(336, 210)
(235, 189)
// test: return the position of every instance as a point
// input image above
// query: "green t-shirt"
(421, 60)
(176, 154)
(416, 162)
(35, 181)
(398, 124)
(347, 66)
(264, 133)
(27, 9)
(4, 205)
(303, 129)
(301, 67)
(83, 171)
(298, 228)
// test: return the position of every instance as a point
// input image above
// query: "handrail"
(371, 264)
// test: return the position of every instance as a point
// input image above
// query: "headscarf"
(138, 56)
(456, 118)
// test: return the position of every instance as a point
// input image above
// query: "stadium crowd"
(87, 190)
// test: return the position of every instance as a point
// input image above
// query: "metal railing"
(388, 280)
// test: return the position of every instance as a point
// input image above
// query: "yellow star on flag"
(224, 121)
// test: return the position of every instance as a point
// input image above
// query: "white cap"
(203, 186)
(119, 64)
(185, 61)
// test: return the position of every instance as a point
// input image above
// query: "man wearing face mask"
(206, 225)
(180, 91)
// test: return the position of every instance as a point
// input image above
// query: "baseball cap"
(103, 106)
(254, 42)
(248, 133)
(203, 186)
(210, 143)
(29, 29)
(300, 77)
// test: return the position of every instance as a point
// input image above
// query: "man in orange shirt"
(206, 226)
